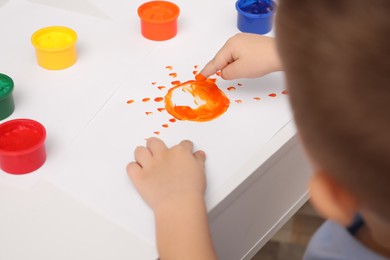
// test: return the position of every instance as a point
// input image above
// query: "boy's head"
(336, 55)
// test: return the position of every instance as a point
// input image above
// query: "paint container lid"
(255, 16)
(158, 19)
(6, 86)
(22, 148)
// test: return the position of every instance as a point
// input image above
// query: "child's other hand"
(165, 175)
(245, 56)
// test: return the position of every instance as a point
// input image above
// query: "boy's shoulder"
(333, 241)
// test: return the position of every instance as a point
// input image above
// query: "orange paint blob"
(159, 99)
(145, 99)
(231, 88)
(285, 92)
(169, 67)
(161, 87)
(195, 72)
(200, 77)
(157, 132)
(272, 95)
(173, 75)
(218, 73)
(130, 101)
(165, 125)
(176, 82)
(210, 100)
(239, 84)
(154, 83)
(238, 101)
(196, 66)
(148, 113)
(257, 98)
(172, 120)
(160, 109)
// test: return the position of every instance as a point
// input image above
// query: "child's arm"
(245, 56)
(172, 182)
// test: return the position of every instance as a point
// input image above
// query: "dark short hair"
(336, 55)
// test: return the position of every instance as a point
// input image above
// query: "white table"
(45, 222)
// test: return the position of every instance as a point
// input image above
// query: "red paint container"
(158, 20)
(22, 146)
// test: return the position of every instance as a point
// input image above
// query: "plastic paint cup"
(55, 47)
(7, 105)
(158, 20)
(255, 16)
(22, 146)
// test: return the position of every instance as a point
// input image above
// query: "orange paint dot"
(257, 98)
(172, 120)
(195, 72)
(165, 125)
(176, 82)
(272, 95)
(169, 67)
(285, 92)
(159, 99)
(161, 87)
(173, 75)
(145, 99)
(130, 101)
(160, 109)
(154, 83)
(239, 84)
(196, 66)
(218, 73)
(157, 132)
(238, 101)
(210, 100)
(148, 113)
(231, 88)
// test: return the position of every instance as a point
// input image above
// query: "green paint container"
(7, 105)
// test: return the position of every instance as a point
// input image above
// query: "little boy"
(335, 55)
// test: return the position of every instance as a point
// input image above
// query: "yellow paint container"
(55, 47)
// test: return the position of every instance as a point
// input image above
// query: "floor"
(291, 240)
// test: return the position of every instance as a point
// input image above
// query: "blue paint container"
(255, 16)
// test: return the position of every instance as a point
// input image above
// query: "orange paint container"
(158, 20)
(55, 47)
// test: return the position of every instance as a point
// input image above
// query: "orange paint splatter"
(239, 84)
(169, 67)
(159, 99)
(176, 82)
(285, 92)
(218, 73)
(130, 101)
(195, 72)
(157, 132)
(145, 99)
(257, 98)
(272, 95)
(173, 75)
(172, 120)
(165, 125)
(161, 87)
(238, 101)
(214, 101)
(154, 83)
(196, 66)
(148, 113)
(160, 109)
(231, 88)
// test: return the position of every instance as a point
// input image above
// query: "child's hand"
(245, 56)
(163, 175)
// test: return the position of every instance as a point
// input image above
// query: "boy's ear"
(332, 200)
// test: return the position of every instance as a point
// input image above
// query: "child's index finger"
(200, 77)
